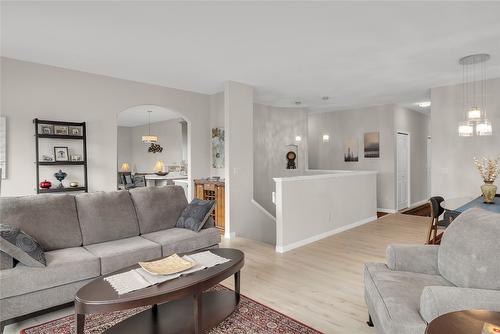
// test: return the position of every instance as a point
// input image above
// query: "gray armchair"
(422, 282)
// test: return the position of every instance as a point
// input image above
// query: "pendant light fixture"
(149, 138)
(474, 96)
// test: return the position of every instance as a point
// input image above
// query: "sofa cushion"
(21, 246)
(158, 208)
(181, 240)
(50, 219)
(466, 256)
(195, 214)
(63, 266)
(106, 216)
(118, 254)
(394, 297)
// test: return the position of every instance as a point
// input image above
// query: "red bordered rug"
(249, 318)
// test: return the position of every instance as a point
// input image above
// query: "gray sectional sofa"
(421, 282)
(88, 235)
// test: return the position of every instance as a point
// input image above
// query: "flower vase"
(489, 191)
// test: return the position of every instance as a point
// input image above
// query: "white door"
(429, 152)
(402, 175)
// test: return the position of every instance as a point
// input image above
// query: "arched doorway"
(152, 148)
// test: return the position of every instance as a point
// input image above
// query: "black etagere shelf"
(82, 136)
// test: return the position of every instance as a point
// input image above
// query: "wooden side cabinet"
(214, 190)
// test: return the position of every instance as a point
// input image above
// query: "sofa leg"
(369, 322)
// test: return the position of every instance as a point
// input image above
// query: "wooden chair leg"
(369, 322)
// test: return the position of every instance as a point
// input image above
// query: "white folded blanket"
(136, 279)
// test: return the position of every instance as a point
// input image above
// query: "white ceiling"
(357, 53)
(138, 115)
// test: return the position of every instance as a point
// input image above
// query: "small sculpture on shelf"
(60, 176)
(74, 184)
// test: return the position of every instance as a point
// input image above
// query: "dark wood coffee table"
(178, 306)
(462, 322)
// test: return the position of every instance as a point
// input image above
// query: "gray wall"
(244, 217)
(32, 90)
(275, 128)
(453, 171)
(344, 124)
(386, 119)
(124, 146)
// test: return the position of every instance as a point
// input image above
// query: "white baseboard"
(300, 243)
(386, 210)
(231, 235)
(261, 208)
(419, 203)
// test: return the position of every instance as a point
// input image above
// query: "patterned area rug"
(250, 317)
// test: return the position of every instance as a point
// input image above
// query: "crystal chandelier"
(149, 138)
(474, 96)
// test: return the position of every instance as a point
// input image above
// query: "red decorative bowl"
(45, 184)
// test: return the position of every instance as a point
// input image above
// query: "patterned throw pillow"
(196, 214)
(21, 246)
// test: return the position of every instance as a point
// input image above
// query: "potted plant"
(489, 170)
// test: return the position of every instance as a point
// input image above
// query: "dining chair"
(433, 238)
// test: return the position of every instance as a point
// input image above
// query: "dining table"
(455, 206)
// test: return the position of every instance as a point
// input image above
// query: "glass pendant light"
(484, 128)
(149, 138)
(465, 129)
(474, 96)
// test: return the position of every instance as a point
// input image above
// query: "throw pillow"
(21, 246)
(196, 214)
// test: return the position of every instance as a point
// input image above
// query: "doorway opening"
(152, 148)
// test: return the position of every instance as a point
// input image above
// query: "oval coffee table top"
(463, 322)
(98, 295)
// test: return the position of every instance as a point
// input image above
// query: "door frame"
(408, 187)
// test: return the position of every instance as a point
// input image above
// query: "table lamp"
(159, 168)
(125, 167)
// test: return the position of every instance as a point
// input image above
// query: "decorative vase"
(60, 176)
(45, 184)
(489, 191)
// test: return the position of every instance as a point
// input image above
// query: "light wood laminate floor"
(320, 284)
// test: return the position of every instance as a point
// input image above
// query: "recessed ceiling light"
(298, 138)
(424, 104)
(326, 138)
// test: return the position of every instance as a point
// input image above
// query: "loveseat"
(421, 282)
(88, 235)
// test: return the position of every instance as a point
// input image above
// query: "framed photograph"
(372, 145)
(61, 129)
(75, 130)
(351, 150)
(61, 153)
(218, 148)
(47, 129)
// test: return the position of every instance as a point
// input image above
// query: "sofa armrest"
(6, 261)
(439, 300)
(414, 258)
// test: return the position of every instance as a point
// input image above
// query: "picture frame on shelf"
(61, 130)
(61, 153)
(75, 130)
(47, 129)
